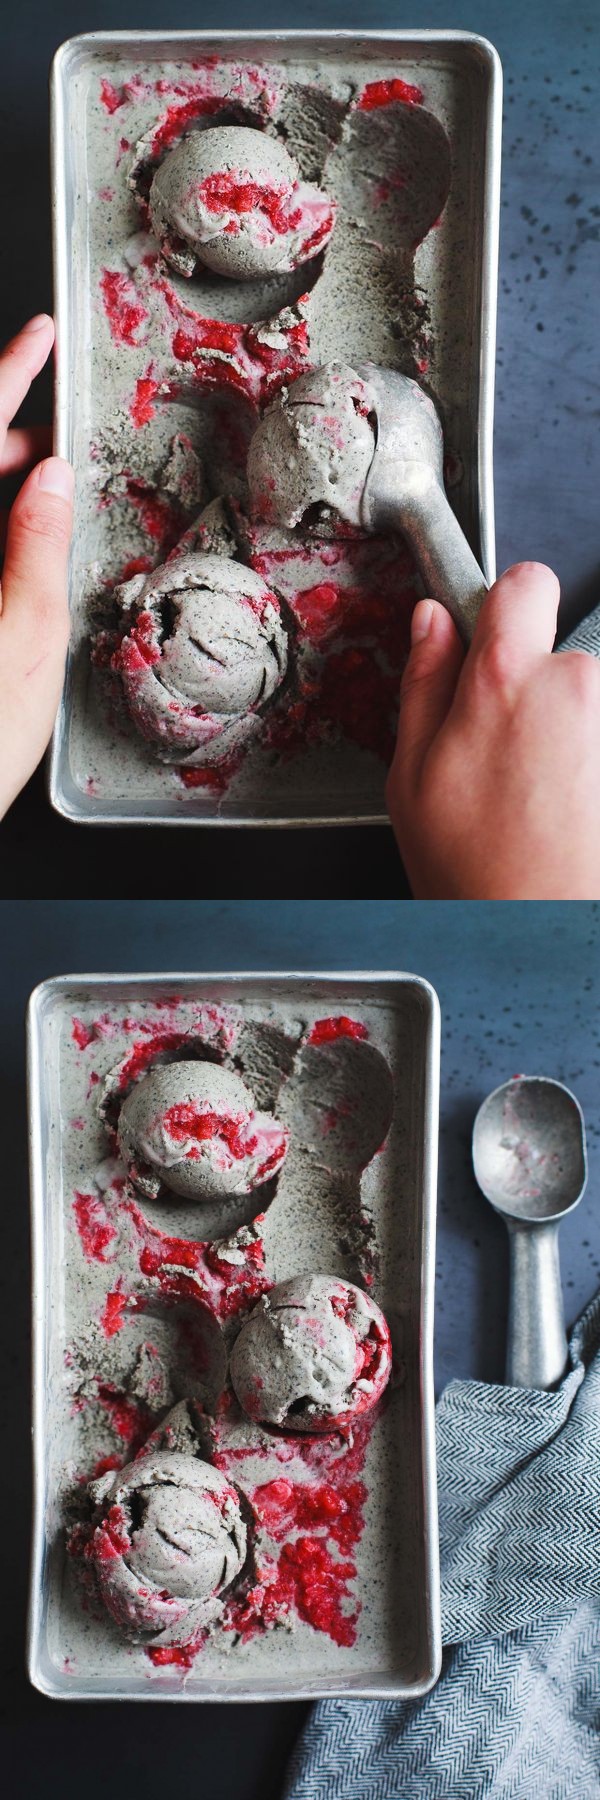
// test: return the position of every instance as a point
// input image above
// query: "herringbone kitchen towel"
(516, 1712)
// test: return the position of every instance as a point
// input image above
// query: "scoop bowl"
(404, 490)
(530, 1161)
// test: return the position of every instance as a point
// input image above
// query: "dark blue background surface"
(520, 992)
(547, 390)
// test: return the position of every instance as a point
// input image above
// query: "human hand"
(34, 619)
(494, 791)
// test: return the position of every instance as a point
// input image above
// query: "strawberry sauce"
(95, 1227)
(179, 1656)
(122, 305)
(383, 93)
(142, 408)
(235, 1135)
(111, 97)
(310, 1529)
(326, 1031)
(81, 1035)
(112, 1317)
(186, 1270)
(186, 1121)
(230, 191)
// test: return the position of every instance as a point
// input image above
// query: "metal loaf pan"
(456, 269)
(398, 1653)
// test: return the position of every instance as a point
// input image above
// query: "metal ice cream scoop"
(529, 1157)
(404, 490)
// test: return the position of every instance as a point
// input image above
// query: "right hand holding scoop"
(494, 791)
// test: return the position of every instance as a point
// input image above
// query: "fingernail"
(421, 621)
(56, 477)
(38, 322)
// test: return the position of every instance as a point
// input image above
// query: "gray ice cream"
(192, 1127)
(203, 644)
(166, 1539)
(314, 1353)
(313, 448)
(231, 197)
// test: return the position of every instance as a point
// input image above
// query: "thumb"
(428, 686)
(35, 620)
(34, 577)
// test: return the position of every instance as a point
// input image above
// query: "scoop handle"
(537, 1345)
(586, 635)
(446, 562)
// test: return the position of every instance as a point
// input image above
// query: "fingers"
(20, 362)
(428, 686)
(24, 446)
(516, 626)
(34, 623)
(517, 623)
(34, 582)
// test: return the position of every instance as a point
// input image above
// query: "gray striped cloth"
(585, 635)
(516, 1712)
